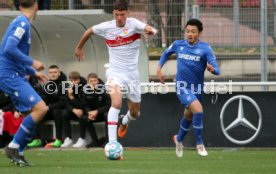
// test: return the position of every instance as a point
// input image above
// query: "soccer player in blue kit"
(15, 63)
(193, 57)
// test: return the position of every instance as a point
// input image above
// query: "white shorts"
(129, 83)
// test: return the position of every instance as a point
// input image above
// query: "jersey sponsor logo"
(119, 41)
(19, 32)
(118, 38)
(188, 57)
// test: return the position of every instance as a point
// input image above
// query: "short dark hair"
(27, 3)
(92, 75)
(195, 22)
(74, 75)
(53, 67)
(120, 5)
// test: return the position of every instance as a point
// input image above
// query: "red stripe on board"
(119, 41)
(112, 123)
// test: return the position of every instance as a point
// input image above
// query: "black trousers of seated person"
(67, 117)
(55, 115)
(88, 124)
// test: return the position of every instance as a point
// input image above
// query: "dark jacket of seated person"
(97, 103)
(55, 96)
(97, 100)
(76, 102)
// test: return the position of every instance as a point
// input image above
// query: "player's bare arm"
(160, 74)
(210, 67)
(37, 65)
(79, 48)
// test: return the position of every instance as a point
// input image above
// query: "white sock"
(21, 153)
(127, 119)
(13, 145)
(112, 121)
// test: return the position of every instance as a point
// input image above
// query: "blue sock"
(25, 132)
(30, 137)
(198, 126)
(184, 129)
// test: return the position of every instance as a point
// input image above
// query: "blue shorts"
(186, 97)
(21, 92)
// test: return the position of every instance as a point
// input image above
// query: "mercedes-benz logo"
(240, 119)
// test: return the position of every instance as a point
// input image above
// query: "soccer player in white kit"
(122, 36)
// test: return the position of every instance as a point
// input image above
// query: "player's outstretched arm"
(79, 48)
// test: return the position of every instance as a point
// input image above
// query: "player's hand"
(150, 30)
(37, 65)
(160, 75)
(210, 67)
(79, 54)
(41, 77)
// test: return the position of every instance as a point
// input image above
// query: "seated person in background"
(5, 102)
(55, 100)
(10, 120)
(42, 4)
(74, 108)
(97, 103)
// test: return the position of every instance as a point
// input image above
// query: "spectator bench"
(99, 126)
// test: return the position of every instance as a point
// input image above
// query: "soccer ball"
(113, 150)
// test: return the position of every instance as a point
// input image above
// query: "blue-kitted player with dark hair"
(193, 57)
(15, 63)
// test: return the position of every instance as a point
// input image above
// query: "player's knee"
(117, 105)
(197, 110)
(195, 107)
(41, 109)
(135, 114)
(188, 116)
(44, 110)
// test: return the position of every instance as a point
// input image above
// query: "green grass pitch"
(145, 161)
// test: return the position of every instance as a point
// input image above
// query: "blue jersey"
(14, 48)
(191, 62)
(15, 64)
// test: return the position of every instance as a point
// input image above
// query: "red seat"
(211, 3)
(226, 3)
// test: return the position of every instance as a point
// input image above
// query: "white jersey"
(123, 43)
